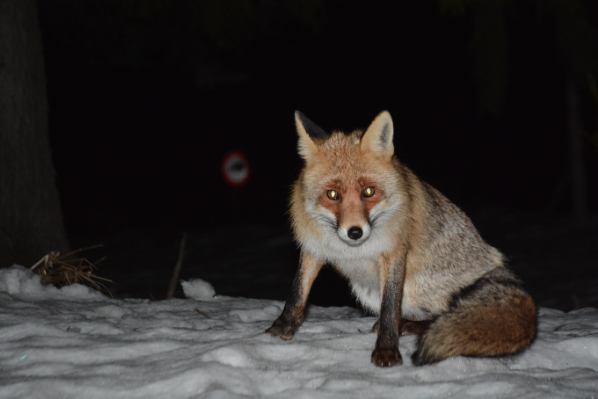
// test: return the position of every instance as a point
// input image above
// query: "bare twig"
(177, 268)
(200, 312)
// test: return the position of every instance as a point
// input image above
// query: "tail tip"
(421, 358)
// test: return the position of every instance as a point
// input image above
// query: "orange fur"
(406, 250)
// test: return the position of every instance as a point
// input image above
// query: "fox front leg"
(294, 310)
(392, 277)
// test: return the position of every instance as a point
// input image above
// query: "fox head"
(348, 179)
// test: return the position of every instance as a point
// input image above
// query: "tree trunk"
(30, 216)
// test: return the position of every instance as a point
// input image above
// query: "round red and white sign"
(235, 169)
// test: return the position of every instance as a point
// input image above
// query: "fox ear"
(308, 131)
(378, 137)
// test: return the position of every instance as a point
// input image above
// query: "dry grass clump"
(61, 270)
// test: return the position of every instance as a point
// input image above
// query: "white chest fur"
(360, 266)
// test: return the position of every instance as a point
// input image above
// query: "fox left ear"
(378, 137)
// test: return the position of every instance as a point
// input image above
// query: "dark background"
(146, 101)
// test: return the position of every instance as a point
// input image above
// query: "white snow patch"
(79, 344)
(198, 289)
(21, 282)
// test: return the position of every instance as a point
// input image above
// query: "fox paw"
(282, 330)
(386, 357)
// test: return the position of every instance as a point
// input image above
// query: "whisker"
(326, 221)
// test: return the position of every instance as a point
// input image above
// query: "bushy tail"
(492, 317)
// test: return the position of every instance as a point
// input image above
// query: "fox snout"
(350, 208)
(354, 235)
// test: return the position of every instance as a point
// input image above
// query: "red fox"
(409, 254)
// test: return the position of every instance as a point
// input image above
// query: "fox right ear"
(308, 132)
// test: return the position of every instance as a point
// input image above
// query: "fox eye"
(332, 194)
(368, 192)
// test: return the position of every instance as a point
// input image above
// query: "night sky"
(138, 140)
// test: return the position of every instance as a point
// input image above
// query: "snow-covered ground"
(76, 343)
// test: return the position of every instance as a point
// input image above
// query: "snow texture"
(75, 343)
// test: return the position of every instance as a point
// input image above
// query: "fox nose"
(355, 233)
